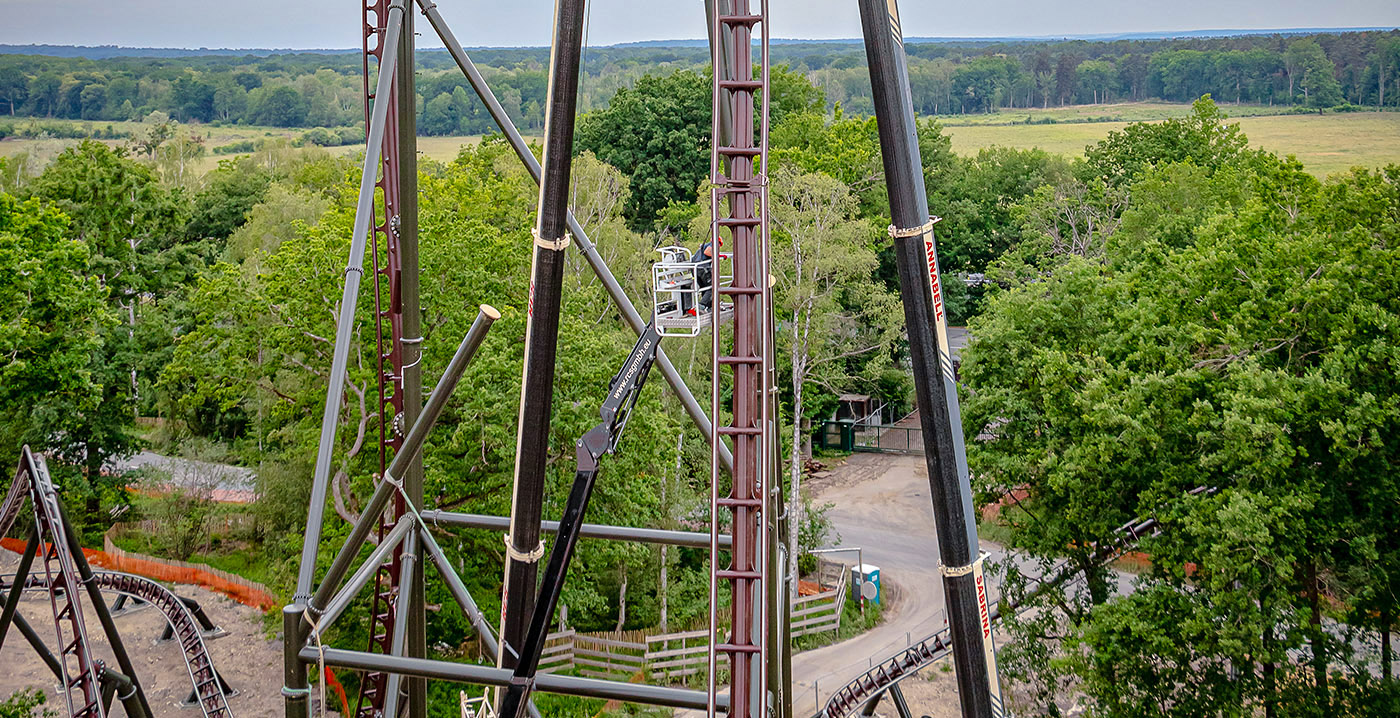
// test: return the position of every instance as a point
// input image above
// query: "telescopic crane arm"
(623, 391)
(602, 439)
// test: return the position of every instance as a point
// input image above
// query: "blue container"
(866, 574)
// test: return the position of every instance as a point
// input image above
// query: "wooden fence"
(672, 657)
(820, 612)
(558, 652)
(609, 656)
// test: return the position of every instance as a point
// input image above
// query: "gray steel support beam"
(362, 576)
(397, 646)
(490, 676)
(412, 351)
(37, 644)
(900, 705)
(369, 516)
(7, 615)
(688, 539)
(697, 413)
(296, 693)
(99, 606)
(464, 599)
(354, 272)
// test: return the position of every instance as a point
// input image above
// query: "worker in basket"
(704, 265)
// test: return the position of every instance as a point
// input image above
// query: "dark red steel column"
(738, 162)
(388, 308)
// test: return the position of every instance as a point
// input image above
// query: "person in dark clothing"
(704, 263)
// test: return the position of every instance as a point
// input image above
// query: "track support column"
(523, 546)
(411, 351)
(934, 383)
(296, 692)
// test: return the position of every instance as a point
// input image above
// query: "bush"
(329, 137)
(236, 148)
(65, 131)
(25, 703)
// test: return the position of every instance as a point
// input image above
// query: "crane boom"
(602, 439)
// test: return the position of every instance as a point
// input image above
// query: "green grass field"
(42, 151)
(1324, 143)
(1117, 112)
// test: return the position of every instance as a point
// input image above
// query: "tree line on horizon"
(324, 90)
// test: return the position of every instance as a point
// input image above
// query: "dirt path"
(250, 662)
(881, 504)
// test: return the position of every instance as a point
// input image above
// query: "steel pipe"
(407, 561)
(362, 576)
(369, 517)
(38, 645)
(7, 615)
(354, 272)
(935, 387)
(491, 676)
(551, 240)
(688, 539)
(99, 605)
(296, 694)
(464, 598)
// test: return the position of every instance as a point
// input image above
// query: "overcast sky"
(334, 23)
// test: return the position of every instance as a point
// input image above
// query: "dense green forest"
(323, 90)
(1186, 313)
(1174, 310)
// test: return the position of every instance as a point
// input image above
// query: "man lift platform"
(682, 287)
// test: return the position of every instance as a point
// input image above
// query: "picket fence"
(671, 657)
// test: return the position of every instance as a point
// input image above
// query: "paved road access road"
(880, 502)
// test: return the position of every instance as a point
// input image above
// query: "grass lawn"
(1118, 112)
(445, 149)
(42, 151)
(1324, 143)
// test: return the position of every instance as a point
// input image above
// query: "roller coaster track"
(882, 677)
(187, 631)
(65, 571)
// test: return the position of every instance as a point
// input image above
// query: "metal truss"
(315, 606)
(87, 685)
(739, 208)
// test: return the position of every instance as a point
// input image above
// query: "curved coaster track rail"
(208, 687)
(85, 679)
(873, 683)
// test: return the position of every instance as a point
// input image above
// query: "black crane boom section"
(602, 439)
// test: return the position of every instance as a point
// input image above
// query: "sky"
(334, 23)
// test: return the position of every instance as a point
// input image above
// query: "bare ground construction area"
(244, 656)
